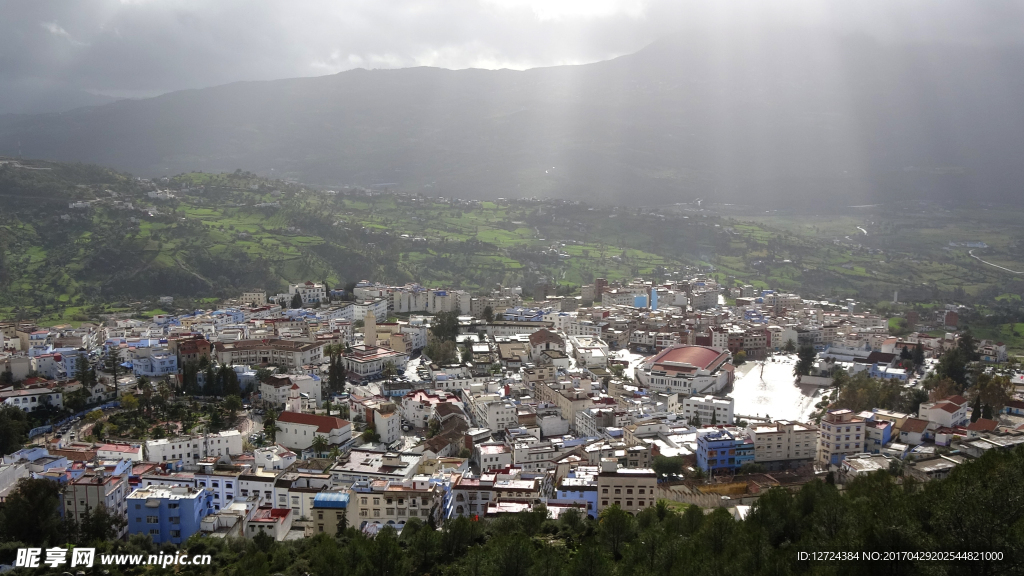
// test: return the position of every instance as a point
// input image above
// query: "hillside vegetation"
(218, 234)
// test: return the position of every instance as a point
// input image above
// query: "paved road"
(971, 252)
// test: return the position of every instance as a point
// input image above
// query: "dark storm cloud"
(145, 47)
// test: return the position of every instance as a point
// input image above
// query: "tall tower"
(294, 399)
(370, 329)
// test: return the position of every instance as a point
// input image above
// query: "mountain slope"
(781, 117)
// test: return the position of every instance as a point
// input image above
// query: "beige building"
(389, 502)
(842, 434)
(96, 489)
(633, 489)
(255, 298)
(329, 508)
(784, 444)
(289, 353)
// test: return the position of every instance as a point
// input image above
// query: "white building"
(784, 444)
(691, 370)
(309, 292)
(297, 430)
(493, 412)
(589, 351)
(31, 399)
(708, 409)
(492, 456)
(274, 457)
(288, 353)
(276, 389)
(95, 489)
(188, 450)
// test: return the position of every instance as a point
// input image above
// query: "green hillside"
(221, 233)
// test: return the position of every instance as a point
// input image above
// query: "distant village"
(372, 406)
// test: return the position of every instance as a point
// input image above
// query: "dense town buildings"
(558, 401)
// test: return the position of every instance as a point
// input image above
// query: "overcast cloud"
(147, 47)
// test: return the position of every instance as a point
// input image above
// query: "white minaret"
(294, 400)
(370, 329)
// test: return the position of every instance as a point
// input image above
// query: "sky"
(139, 48)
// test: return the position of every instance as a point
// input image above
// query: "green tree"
(296, 301)
(665, 466)
(112, 363)
(616, 527)
(445, 326)
(918, 355)
(30, 513)
(270, 428)
(790, 346)
(805, 360)
(232, 404)
(320, 445)
(488, 314)
(14, 428)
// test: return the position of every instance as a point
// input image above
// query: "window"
(175, 519)
(152, 519)
(171, 506)
(175, 533)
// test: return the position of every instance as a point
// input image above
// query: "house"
(492, 456)
(120, 450)
(168, 514)
(273, 522)
(297, 430)
(545, 340)
(1014, 407)
(981, 426)
(32, 399)
(855, 465)
(513, 355)
(934, 468)
(276, 390)
(993, 352)
(948, 412)
(913, 431)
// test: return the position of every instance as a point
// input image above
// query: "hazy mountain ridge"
(774, 118)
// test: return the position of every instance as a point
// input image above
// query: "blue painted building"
(168, 513)
(887, 372)
(720, 451)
